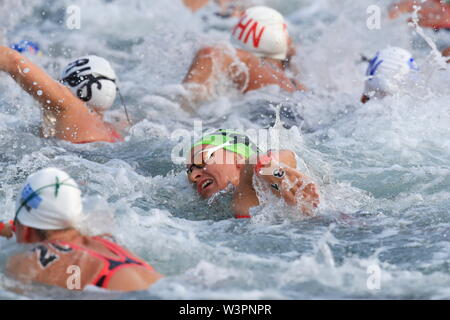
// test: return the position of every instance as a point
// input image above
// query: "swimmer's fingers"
(291, 185)
(310, 194)
(294, 187)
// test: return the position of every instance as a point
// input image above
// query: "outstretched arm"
(75, 122)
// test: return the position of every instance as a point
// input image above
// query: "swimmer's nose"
(195, 175)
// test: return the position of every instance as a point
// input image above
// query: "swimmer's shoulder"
(33, 263)
(247, 57)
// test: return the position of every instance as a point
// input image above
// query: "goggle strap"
(122, 100)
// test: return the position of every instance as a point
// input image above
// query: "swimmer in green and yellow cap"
(227, 157)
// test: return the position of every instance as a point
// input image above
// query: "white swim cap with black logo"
(262, 31)
(49, 200)
(92, 79)
(387, 71)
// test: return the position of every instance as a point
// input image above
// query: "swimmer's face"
(212, 172)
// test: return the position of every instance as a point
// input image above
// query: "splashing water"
(382, 168)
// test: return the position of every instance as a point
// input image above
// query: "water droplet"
(26, 70)
(39, 92)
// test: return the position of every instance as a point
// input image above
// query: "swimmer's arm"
(75, 123)
(292, 184)
(194, 5)
(401, 7)
(202, 74)
(435, 17)
(433, 14)
(48, 92)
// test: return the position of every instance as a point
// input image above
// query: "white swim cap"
(91, 79)
(49, 200)
(387, 70)
(262, 31)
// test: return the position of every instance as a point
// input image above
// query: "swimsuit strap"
(110, 265)
(115, 265)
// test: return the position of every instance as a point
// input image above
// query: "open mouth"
(204, 184)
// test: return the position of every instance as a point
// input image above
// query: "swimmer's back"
(261, 73)
(56, 263)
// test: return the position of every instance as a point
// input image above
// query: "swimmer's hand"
(286, 182)
(6, 230)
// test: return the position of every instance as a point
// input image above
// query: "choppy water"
(385, 165)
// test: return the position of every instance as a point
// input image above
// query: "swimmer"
(48, 212)
(72, 108)
(263, 51)
(433, 14)
(386, 73)
(227, 7)
(226, 157)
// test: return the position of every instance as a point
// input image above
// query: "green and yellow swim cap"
(239, 143)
